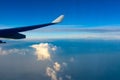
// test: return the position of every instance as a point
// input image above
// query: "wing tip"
(58, 19)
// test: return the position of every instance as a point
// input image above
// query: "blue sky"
(89, 13)
(77, 12)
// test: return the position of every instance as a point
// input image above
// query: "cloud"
(43, 50)
(76, 32)
(51, 73)
(90, 29)
(77, 28)
(80, 32)
(57, 66)
(13, 51)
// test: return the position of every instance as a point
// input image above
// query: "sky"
(84, 46)
(78, 13)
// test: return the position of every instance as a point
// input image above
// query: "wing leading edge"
(13, 33)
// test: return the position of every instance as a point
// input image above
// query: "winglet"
(59, 19)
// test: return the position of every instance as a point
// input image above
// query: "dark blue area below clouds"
(93, 59)
(78, 47)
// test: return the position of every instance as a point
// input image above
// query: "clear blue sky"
(77, 12)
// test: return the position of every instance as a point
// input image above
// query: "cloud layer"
(78, 32)
(72, 63)
(43, 52)
(13, 51)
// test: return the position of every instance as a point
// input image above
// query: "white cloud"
(43, 50)
(13, 51)
(80, 32)
(51, 73)
(57, 66)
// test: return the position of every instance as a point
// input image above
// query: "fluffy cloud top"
(57, 66)
(43, 50)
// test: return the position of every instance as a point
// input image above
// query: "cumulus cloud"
(43, 51)
(57, 66)
(51, 73)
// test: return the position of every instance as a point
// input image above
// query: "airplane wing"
(14, 33)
